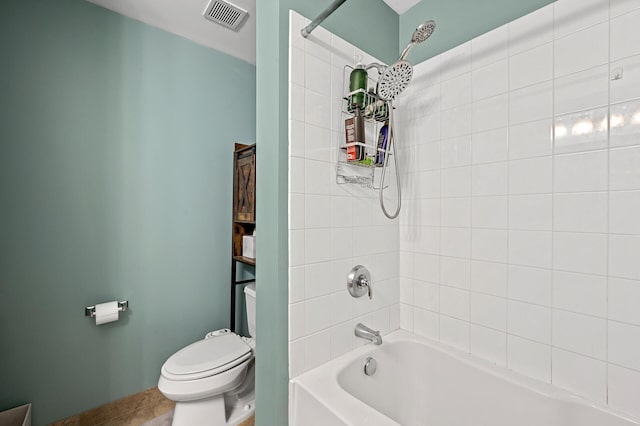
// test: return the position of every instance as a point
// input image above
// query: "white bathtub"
(420, 382)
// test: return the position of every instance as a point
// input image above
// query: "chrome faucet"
(367, 333)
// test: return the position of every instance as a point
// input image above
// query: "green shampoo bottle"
(357, 81)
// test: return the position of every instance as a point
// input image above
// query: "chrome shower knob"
(359, 282)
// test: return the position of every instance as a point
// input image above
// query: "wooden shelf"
(244, 215)
(245, 260)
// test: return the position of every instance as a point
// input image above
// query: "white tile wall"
(521, 243)
(334, 227)
(520, 230)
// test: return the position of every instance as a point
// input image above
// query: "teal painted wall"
(116, 146)
(458, 21)
(272, 76)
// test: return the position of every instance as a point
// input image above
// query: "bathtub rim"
(322, 382)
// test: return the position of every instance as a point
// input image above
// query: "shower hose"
(392, 149)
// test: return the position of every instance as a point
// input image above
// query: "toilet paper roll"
(106, 312)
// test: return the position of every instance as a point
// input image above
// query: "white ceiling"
(184, 18)
(401, 6)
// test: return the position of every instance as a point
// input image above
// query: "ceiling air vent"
(226, 14)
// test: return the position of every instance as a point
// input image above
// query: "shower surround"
(332, 227)
(519, 236)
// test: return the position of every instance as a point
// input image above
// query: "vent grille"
(226, 14)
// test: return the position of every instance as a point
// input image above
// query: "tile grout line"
(473, 104)
(508, 195)
(608, 202)
(439, 201)
(553, 169)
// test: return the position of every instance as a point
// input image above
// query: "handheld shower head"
(397, 76)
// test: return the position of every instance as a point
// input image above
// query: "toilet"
(212, 380)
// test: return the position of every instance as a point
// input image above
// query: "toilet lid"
(207, 357)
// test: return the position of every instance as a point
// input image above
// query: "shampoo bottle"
(383, 144)
(357, 82)
(354, 133)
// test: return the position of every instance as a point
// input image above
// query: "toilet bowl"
(212, 380)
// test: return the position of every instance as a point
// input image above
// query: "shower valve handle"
(363, 283)
(359, 282)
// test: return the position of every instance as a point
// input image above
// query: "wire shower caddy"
(375, 114)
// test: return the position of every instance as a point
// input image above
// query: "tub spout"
(367, 333)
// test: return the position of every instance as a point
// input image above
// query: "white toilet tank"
(250, 302)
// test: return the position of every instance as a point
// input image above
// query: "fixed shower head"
(396, 77)
(423, 32)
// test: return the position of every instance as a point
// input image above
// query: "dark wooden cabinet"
(244, 215)
(244, 182)
(244, 195)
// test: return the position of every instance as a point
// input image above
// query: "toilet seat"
(206, 358)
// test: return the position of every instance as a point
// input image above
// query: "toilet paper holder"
(90, 311)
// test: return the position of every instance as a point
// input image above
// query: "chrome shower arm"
(406, 51)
